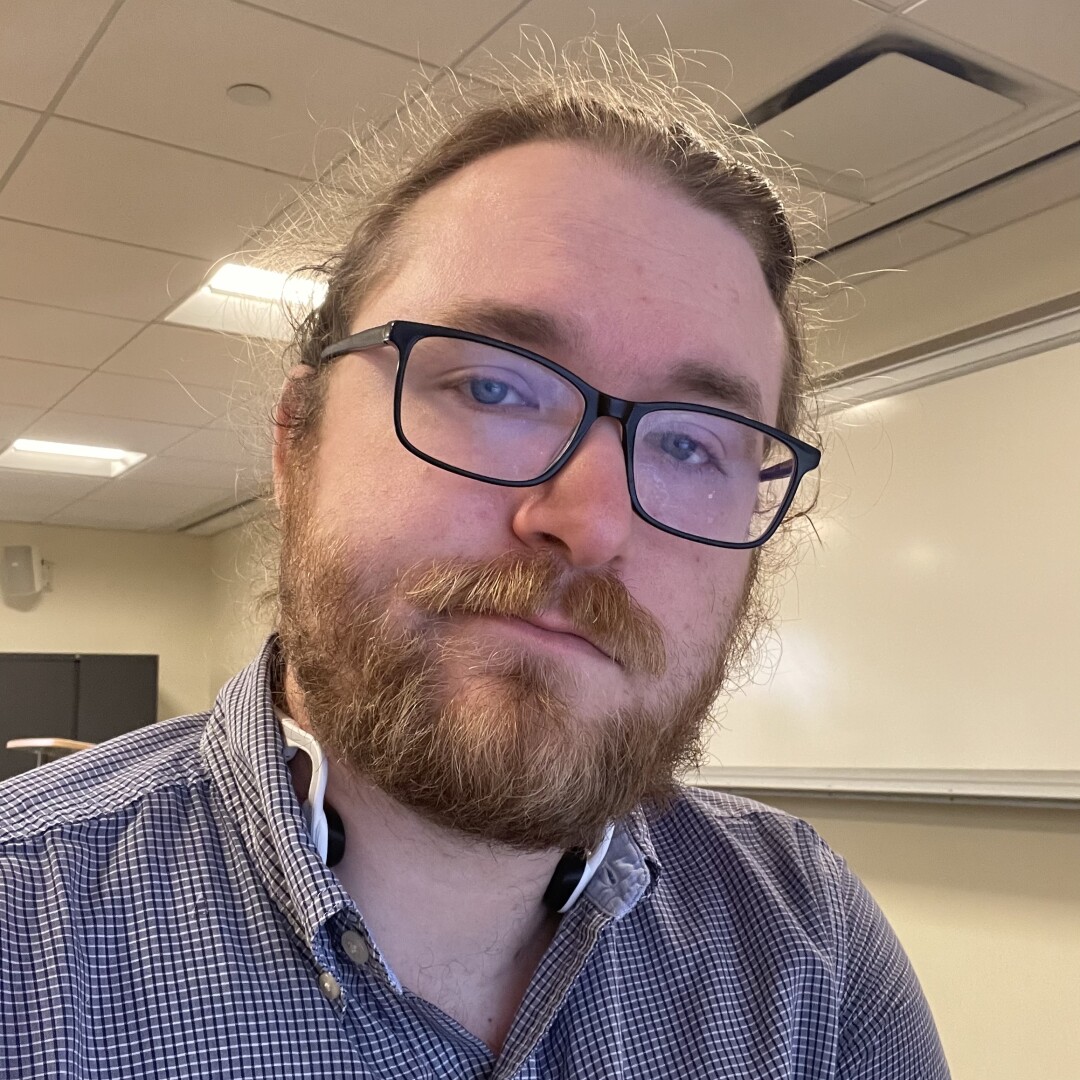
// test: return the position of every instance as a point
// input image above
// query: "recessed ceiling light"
(250, 301)
(244, 93)
(36, 455)
(236, 279)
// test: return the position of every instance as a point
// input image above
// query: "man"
(536, 436)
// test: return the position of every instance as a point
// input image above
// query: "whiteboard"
(932, 638)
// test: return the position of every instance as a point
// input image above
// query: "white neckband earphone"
(568, 882)
(296, 738)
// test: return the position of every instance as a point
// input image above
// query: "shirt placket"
(578, 937)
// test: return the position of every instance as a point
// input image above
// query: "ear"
(282, 425)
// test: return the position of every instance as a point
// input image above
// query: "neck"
(461, 922)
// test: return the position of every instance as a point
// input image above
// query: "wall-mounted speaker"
(21, 572)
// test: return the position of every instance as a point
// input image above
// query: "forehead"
(638, 276)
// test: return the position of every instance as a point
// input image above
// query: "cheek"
(400, 509)
(695, 597)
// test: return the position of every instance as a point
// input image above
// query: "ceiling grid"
(127, 175)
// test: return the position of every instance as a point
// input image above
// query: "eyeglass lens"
(496, 414)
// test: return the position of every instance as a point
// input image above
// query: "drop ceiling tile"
(40, 42)
(91, 515)
(891, 249)
(15, 125)
(244, 435)
(1043, 36)
(31, 510)
(140, 192)
(251, 401)
(187, 55)
(132, 398)
(175, 522)
(837, 207)
(1026, 263)
(438, 33)
(1030, 191)
(27, 496)
(826, 209)
(177, 499)
(14, 421)
(46, 266)
(58, 336)
(216, 444)
(888, 113)
(141, 436)
(219, 523)
(129, 502)
(733, 37)
(190, 357)
(23, 382)
(241, 480)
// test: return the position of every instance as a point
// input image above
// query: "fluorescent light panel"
(36, 455)
(235, 279)
(250, 301)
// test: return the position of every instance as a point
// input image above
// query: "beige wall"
(237, 626)
(187, 599)
(986, 900)
(119, 592)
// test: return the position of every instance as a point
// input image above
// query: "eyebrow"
(540, 330)
(739, 392)
(526, 326)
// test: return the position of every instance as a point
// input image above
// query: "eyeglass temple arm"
(777, 472)
(366, 339)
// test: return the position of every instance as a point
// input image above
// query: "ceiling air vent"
(867, 123)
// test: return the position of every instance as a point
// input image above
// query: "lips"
(559, 624)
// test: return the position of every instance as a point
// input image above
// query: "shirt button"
(330, 987)
(354, 947)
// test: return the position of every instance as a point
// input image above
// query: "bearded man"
(535, 439)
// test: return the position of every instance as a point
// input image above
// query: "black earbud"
(564, 881)
(335, 836)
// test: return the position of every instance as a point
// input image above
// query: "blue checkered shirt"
(163, 913)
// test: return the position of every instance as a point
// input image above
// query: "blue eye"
(682, 447)
(488, 391)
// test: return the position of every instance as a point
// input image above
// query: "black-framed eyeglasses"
(503, 415)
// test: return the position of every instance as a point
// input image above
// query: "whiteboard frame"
(1013, 787)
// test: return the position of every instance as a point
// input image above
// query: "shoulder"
(104, 782)
(756, 865)
(734, 831)
(740, 872)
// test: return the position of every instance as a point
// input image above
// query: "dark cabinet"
(87, 696)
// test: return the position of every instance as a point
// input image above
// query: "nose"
(585, 508)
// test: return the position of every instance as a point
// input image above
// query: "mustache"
(525, 584)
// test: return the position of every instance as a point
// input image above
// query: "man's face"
(637, 280)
